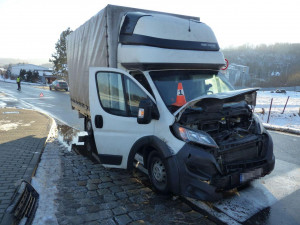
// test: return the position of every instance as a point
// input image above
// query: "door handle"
(98, 121)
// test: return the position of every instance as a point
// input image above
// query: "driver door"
(114, 99)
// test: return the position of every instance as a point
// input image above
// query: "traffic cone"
(180, 99)
(41, 95)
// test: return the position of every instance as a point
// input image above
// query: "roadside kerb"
(282, 129)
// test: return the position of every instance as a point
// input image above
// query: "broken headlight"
(199, 137)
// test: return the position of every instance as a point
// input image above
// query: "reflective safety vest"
(18, 79)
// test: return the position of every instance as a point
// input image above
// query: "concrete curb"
(282, 129)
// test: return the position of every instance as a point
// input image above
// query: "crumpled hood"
(249, 95)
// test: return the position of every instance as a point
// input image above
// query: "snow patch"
(46, 179)
(28, 124)
(8, 125)
(2, 104)
(289, 119)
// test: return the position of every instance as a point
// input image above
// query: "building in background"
(2, 71)
(238, 75)
(45, 73)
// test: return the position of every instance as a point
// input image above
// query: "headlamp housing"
(199, 137)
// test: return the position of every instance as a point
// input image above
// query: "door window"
(111, 93)
(134, 95)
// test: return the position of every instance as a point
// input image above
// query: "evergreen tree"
(22, 74)
(35, 76)
(59, 57)
(29, 76)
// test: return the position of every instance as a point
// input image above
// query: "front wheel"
(158, 173)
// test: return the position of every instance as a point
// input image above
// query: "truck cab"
(165, 107)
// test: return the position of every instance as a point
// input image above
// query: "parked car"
(280, 91)
(59, 85)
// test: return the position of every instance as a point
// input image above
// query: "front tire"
(158, 173)
(50, 88)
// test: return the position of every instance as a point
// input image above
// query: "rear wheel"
(88, 126)
(90, 146)
(158, 173)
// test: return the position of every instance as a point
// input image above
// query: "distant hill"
(48, 65)
(39, 62)
(264, 60)
(6, 61)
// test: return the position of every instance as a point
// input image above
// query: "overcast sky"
(29, 29)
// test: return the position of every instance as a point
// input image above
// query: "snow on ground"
(15, 82)
(46, 179)
(290, 118)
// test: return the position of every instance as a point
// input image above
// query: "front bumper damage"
(202, 176)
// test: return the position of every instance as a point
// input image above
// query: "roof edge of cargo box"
(132, 9)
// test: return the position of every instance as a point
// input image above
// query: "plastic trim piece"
(137, 39)
(130, 22)
(110, 159)
(160, 66)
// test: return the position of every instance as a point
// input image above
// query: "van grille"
(241, 153)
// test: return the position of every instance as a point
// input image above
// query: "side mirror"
(147, 111)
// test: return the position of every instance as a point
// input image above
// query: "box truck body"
(149, 88)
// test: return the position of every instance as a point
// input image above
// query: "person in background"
(19, 83)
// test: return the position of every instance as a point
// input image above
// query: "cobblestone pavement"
(90, 194)
(22, 137)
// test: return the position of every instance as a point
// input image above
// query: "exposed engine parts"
(233, 129)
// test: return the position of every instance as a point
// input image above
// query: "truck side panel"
(86, 47)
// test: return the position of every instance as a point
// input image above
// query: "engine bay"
(229, 123)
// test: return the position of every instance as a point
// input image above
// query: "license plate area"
(244, 177)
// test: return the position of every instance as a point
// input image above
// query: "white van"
(149, 88)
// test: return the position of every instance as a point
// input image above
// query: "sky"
(29, 29)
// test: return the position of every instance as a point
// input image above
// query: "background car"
(59, 85)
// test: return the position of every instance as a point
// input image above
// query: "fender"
(150, 141)
(162, 148)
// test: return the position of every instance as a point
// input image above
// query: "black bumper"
(201, 176)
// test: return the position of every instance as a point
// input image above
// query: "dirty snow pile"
(289, 118)
(46, 179)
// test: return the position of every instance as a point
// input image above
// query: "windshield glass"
(194, 84)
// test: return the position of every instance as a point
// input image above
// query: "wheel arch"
(145, 145)
(151, 143)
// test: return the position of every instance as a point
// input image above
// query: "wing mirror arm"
(147, 111)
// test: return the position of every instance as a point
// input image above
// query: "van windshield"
(194, 84)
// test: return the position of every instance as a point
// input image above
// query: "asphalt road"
(271, 200)
(54, 103)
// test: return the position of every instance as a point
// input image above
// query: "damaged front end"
(226, 144)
